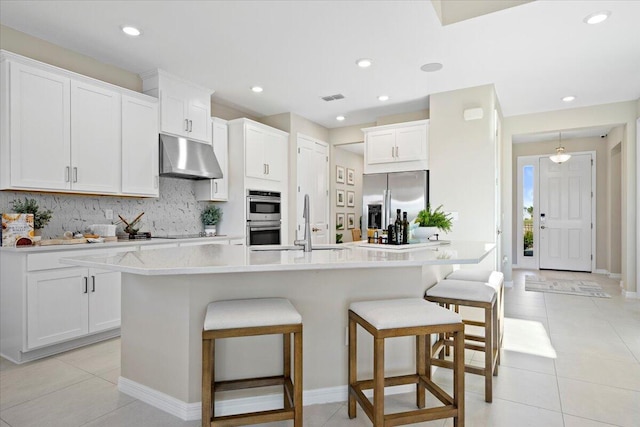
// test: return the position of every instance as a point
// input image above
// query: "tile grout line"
(107, 413)
(47, 394)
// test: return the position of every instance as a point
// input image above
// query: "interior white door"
(313, 179)
(566, 214)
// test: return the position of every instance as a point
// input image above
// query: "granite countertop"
(118, 244)
(234, 259)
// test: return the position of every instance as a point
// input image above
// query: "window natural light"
(527, 336)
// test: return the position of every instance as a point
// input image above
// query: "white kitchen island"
(165, 293)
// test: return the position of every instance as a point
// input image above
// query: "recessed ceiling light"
(131, 31)
(431, 67)
(364, 63)
(340, 118)
(598, 17)
(256, 89)
(383, 98)
(568, 98)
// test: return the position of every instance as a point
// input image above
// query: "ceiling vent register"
(333, 97)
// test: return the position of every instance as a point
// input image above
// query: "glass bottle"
(398, 228)
(405, 229)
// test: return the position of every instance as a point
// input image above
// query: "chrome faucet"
(306, 242)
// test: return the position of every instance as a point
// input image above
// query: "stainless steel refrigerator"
(383, 193)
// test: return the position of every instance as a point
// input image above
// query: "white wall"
(346, 159)
(622, 113)
(462, 162)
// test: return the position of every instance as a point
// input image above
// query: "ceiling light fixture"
(560, 156)
(598, 17)
(340, 118)
(383, 98)
(364, 62)
(569, 98)
(256, 89)
(131, 31)
(431, 67)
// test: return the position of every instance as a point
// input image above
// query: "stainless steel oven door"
(263, 233)
(263, 206)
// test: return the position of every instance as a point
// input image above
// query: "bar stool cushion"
(462, 290)
(495, 279)
(246, 313)
(403, 313)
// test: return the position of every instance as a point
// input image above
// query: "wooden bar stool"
(456, 293)
(398, 318)
(251, 317)
(495, 279)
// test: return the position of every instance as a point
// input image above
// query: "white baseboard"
(192, 411)
(630, 295)
(601, 271)
(615, 276)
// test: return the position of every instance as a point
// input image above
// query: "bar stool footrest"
(253, 418)
(249, 383)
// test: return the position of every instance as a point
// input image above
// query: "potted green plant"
(30, 206)
(430, 221)
(211, 216)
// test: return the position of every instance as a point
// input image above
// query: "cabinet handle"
(190, 125)
(186, 125)
(67, 177)
(393, 150)
(93, 283)
(75, 174)
(267, 168)
(215, 186)
(397, 150)
(85, 284)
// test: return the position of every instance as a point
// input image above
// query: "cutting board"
(48, 242)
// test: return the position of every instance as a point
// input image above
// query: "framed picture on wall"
(351, 220)
(340, 221)
(351, 177)
(351, 199)
(340, 174)
(339, 197)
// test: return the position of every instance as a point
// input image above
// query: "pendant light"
(560, 156)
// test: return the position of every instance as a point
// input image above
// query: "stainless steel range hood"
(184, 158)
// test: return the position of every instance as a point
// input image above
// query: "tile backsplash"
(176, 211)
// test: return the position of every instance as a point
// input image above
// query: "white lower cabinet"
(69, 303)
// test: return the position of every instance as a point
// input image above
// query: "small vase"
(422, 234)
(209, 230)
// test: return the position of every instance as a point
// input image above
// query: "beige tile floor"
(568, 361)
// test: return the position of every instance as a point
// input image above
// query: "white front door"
(566, 214)
(313, 179)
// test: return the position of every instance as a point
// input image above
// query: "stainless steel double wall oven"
(263, 217)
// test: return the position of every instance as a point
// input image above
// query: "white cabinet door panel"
(40, 130)
(139, 147)
(275, 155)
(95, 139)
(199, 119)
(104, 300)
(255, 166)
(411, 143)
(57, 306)
(174, 113)
(381, 146)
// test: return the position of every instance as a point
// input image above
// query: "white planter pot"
(209, 230)
(422, 234)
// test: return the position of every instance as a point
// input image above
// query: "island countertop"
(239, 259)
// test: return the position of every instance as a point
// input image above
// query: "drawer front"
(51, 260)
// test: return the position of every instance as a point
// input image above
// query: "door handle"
(93, 283)
(542, 227)
(315, 229)
(85, 284)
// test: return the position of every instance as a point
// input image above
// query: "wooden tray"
(49, 242)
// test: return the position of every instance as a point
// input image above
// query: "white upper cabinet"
(265, 152)
(217, 189)
(397, 147)
(40, 129)
(95, 139)
(185, 108)
(64, 132)
(139, 147)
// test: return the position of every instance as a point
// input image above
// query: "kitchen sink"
(296, 248)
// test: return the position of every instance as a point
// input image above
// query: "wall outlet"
(108, 213)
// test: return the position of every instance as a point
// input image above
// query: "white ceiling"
(298, 51)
